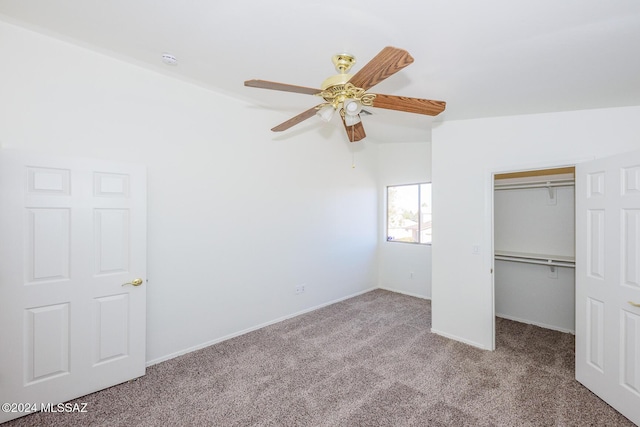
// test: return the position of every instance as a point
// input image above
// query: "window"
(409, 213)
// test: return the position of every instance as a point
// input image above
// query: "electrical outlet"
(411, 275)
(300, 289)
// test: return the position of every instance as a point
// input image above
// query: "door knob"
(635, 304)
(134, 282)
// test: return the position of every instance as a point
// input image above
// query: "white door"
(608, 280)
(72, 232)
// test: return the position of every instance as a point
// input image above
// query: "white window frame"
(419, 223)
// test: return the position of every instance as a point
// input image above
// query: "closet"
(534, 243)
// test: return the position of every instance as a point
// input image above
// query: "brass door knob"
(134, 282)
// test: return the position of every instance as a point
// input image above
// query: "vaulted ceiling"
(489, 58)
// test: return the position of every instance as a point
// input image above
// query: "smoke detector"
(169, 59)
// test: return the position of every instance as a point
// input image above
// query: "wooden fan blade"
(410, 105)
(355, 132)
(389, 61)
(263, 84)
(295, 120)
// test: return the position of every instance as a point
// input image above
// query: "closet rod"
(536, 261)
(534, 185)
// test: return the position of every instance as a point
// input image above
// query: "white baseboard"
(542, 325)
(404, 293)
(251, 329)
(457, 338)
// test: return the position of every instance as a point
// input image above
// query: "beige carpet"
(366, 361)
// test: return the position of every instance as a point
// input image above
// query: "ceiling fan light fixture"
(350, 120)
(352, 107)
(326, 112)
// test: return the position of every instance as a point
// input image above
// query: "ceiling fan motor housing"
(335, 80)
(343, 62)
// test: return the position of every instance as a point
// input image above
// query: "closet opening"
(534, 248)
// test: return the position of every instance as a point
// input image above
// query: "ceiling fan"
(347, 93)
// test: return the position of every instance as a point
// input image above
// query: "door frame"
(489, 209)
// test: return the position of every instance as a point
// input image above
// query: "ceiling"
(489, 58)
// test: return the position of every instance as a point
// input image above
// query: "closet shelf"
(510, 185)
(541, 259)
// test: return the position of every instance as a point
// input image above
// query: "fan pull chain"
(353, 154)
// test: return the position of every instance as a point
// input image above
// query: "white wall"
(464, 155)
(526, 293)
(525, 222)
(403, 163)
(236, 219)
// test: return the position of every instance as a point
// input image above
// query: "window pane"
(409, 213)
(425, 213)
(403, 213)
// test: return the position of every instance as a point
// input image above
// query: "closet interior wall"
(534, 242)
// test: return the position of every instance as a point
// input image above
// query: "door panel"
(112, 240)
(47, 339)
(631, 351)
(631, 247)
(48, 249)
(631, 181)
(595, 333)
(72, 232)
(595, 242)
(48, 181)
(112, 327)
(607, 280)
